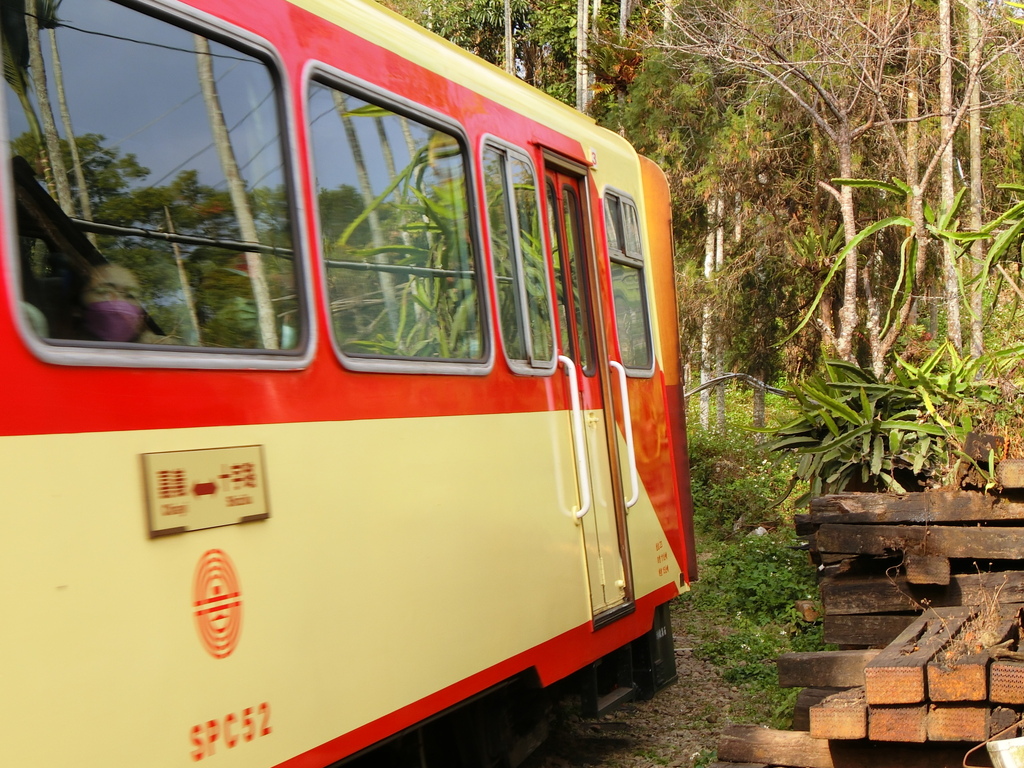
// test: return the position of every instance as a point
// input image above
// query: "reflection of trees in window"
(176, 174)
(623, 232)
(394, 217)
(513, 214)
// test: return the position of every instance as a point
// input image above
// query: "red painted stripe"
(676, 407)
(553, 660)
(58, 399)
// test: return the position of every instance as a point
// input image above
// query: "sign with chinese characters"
(192, 490)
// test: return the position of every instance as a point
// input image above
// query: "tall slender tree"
(239, 196)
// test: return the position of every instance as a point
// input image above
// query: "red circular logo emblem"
(217, 600)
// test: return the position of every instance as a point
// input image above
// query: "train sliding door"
(584, 361)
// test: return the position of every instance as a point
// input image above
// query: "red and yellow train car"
(341, 391)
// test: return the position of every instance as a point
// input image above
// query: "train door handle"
(627, 425)
(579, 440)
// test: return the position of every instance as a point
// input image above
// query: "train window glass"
(632, 319)
(150, 183)
(613, 222)
(513, 214)
(562, 290)
(574, 256)
(396, 232)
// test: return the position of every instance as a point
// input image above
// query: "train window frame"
(630, 257)
(87, 353)
(531, 365)
(324, 75)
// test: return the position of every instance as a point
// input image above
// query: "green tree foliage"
(726, 131)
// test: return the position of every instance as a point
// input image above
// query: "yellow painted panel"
(401, 556)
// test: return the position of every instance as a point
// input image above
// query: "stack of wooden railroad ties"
(923, 594)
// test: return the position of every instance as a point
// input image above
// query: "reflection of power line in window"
(237, 59)
(179, 49)
(211, 145)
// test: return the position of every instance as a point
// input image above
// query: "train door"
(584, 361)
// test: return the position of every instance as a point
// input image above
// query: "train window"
(628, 288)
(395, 228)
(524, 299)
(150, 183)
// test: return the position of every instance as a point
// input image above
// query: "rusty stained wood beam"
(907, 723)
(959, 722)
(966, 678)
(1006, 682)
(846, 715)
(897, 674)
(840, 716)
(806, 699)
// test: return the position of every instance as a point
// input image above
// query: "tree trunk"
(706, 334)
(510, 58)
(952, 288)
(186, 288)
(582, 67)
(974, 132)
(758, 408)
(719, 338)
(238, 193)
(385, 280)
(54, 170)
(65, 117)
(848, 312)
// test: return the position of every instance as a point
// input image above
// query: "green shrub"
(757, 577)
(850, 427)
(734, 482)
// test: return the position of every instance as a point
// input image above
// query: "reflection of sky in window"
(133, 80)
(335, 163)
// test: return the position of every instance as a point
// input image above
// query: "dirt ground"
(676, 728)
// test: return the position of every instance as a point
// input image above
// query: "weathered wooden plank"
(822, 669)
(936, 540)
(873, 630)
(806, 699)
(840, 716)
(796, 749)
(753, 744)
(882, 593)
(958, 722)
(897, 674)
(898, 722)
(930, 507)
(926, 569)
